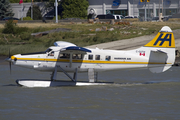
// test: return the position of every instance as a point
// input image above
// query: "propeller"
(9, 60)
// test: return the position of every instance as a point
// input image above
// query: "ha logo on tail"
(164, 38)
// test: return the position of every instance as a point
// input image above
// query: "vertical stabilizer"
(164, 38)
(162, 51)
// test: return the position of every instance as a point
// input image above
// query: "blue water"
(139, 95)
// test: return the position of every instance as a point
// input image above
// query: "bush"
(9, 27)
(27, 18)
(25, 36)
(36, 13)
(19, 30)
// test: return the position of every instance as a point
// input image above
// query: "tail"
(162, 51)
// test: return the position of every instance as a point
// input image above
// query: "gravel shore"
(133, 43)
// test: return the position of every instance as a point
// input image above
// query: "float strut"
(54, 74)
(73, 79)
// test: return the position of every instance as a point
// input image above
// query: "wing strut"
(75, 74)
(54, 74)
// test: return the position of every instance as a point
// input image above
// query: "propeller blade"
(9, 53)
(10, 60)
(10, 66)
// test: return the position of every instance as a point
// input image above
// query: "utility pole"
(31, 9)
(56, 11)
(145, 19)
(162, 7)
(145, 14)
(159, 11)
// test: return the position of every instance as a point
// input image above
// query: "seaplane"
(158, 56)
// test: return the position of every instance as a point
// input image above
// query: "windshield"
(48, 50)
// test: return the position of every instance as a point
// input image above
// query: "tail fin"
(164, 38)
(162, 51)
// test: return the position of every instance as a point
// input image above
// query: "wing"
(75, 49)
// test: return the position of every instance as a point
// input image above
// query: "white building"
(20, 10)
(119, 7)
(134, 7)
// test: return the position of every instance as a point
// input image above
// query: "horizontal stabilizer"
(159, 69)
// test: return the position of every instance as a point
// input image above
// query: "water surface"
(139, 95)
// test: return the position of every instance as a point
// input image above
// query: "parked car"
(117, 17)
(108, 16)
(122, 17)
(129, 16)
(155, 19)
(50, 15)
(136, 16)
(10, 18)
(15, 20)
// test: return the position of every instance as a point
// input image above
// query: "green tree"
(74, 8)
(5, 9)
(36, 13)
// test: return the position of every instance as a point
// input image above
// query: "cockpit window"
(51, 53)
(48, 50)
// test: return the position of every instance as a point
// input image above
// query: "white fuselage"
(99, 60)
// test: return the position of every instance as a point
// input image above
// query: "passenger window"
(64, 55)
(90, 57)
(117, 17)
(108, 58)
(97, 57)
(77, 56)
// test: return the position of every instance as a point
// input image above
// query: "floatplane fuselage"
(158, 56)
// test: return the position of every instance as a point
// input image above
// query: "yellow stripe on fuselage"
(85, 61)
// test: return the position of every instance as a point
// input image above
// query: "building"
(20, 10)
(134, 7)
(115, 7)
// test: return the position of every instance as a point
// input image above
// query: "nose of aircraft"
(8, 59)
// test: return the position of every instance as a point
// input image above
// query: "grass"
(81, 35)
